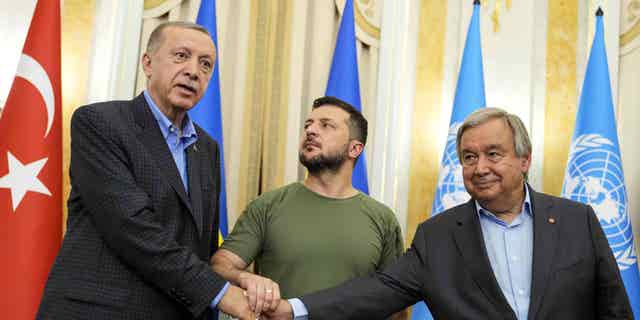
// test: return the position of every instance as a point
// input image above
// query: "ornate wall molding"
(496, 7)
(630, 26)
(157, 8)
(368, 17)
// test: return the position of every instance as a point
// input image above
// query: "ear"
(525, 163)
(146, 64)
(355, 149)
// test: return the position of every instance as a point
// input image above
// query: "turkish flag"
(31, 168)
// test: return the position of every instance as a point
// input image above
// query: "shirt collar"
(525, 208)
(188, 129)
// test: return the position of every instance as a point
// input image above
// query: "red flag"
(31, 168)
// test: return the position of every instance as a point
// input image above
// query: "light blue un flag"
(594, 170)
(344, 83)
(208, 113)
(450, 190)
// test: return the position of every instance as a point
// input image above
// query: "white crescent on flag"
(30, 70)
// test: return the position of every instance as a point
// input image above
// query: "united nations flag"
(469, 96)
(594, 171)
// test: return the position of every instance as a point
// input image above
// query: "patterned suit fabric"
(137, 244)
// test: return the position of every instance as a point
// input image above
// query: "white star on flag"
(22, 178)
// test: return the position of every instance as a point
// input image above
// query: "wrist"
(238, 276)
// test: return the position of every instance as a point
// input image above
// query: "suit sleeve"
(612, 300)
(377, 297)
(124, 214)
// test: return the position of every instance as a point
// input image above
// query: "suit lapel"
(151, 137)
(545, 232)
(194, 164)
(470, 243)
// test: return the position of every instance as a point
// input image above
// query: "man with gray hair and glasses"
(508, 253)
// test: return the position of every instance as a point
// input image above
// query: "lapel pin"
(552, 220)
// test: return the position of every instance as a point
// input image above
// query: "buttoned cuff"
(299, 309)
(217, 299)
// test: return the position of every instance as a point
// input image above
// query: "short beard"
(321, 163)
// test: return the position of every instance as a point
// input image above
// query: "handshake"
(256, 298)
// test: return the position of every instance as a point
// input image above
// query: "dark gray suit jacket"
(574, 275)
(137, 244)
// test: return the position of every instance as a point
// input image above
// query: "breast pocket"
(575, 276)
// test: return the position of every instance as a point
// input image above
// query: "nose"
(482, 166)
(191, 69)
(311, 130)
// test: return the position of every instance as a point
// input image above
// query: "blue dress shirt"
(178, 139)
(510, 251)
(178, 142)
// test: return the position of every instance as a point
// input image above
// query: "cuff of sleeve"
(299, 309)
(198, 288)
(218, 297)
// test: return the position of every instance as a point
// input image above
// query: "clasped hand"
(263, 293)
(256, 298)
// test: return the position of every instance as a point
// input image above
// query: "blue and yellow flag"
(469, 96)
(594, 170)
(344, 83)
(208, 112)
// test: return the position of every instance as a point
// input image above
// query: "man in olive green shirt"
(314, 234)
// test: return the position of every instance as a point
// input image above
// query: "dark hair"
(356, 122)
(157, 35)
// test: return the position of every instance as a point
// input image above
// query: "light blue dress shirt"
(178, 143)
(510, 251)
(177, 140)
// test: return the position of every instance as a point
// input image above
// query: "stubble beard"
(324, 163)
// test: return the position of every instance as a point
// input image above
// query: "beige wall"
(628, 107)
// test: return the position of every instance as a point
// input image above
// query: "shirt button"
(521, 292)
(514, 258)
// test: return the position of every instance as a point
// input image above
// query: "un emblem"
(450, 190)
(595, 177)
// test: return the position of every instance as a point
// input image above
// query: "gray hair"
(157, 35)
(521, 141)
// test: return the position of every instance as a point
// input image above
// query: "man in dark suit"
(508, 253)
(143, 207)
